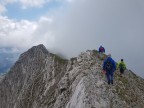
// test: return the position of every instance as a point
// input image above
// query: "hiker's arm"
(104, 65)
(114, 65)
(118, 65)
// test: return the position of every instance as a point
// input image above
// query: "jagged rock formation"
(40, 79)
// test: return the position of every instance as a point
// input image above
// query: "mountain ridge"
(40, 79)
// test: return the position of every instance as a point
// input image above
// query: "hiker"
(121, 66)
(101, 50)
(109, 67)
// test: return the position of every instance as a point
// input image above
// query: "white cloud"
(44, 32)
(25, 4)
(25, 34)
(117, 25)
(45, 19)
(2, 9)
(65, 0)
(10, 50)
(32, 3)
(14, 33)
(9, 1)
(28, 3)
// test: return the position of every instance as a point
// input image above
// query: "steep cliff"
(40, 79)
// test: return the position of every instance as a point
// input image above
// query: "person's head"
(122, 60)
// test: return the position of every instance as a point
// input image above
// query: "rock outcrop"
(40, 79)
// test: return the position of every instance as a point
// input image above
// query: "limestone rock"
(40, 79)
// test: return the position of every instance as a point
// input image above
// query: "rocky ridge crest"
(40, 79)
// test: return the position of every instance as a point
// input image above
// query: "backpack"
(108, 65)
(121, 66)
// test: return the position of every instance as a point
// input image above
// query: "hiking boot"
(111, 81)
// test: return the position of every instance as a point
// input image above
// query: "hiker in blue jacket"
(109, 66)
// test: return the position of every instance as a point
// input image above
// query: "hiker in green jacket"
(121, 66)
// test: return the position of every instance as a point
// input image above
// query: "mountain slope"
(40, 79)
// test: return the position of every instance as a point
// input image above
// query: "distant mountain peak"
(35, 51)
(39, 48)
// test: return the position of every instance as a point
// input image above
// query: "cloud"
(14, 33)
(26, 4)
(24, 34)
(81, 25)
(2, 9)
(10, 50)
(32, 3)
(117, 25)
(44, 33)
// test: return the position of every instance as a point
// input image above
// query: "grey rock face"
(40, 79)
(2, 76)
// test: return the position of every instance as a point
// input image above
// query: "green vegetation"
(103, 57)
(124, 80)
(124, 90)
(95, 52)
(122, 93)
(59, 59)
(134, 75)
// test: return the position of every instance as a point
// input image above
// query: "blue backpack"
(108, 65)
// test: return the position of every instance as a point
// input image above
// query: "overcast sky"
(69, 27)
